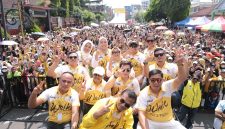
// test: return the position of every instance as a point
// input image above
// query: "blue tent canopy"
(184, 22)
(198, 21)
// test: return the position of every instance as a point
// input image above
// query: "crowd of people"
(111, 77)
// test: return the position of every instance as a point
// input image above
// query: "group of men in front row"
(152, 104)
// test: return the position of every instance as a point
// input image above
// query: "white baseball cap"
(99, 70)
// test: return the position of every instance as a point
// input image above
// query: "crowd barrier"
(15, 91)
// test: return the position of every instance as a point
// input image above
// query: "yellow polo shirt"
(169, 70)
(60, 105)
(110, 120)
(94, 92)
(157, 108)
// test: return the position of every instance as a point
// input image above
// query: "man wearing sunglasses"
(154, 101)
(169, 69)
(136, 58)
(111, 113)
(80, 73)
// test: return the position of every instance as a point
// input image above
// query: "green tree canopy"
(174, 10)
(139, 16)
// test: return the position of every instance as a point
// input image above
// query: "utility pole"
(19, 6)
(3, 20)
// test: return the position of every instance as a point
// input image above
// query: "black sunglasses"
(126, 70)
(122, 101)
(159, 54)
(158, 80)
(73, 57)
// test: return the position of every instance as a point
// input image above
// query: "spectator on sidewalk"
(190, 101)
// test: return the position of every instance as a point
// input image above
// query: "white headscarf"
(83, 53)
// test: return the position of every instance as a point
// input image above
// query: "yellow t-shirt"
(94, 92)
(80, 74)
(60, 106)
(169, 70)
(131, 84)
(111, 120)
(157, 108)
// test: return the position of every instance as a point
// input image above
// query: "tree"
(99, 17)
(64, 10)
(174, 10)
(139, 16)
(88, 16)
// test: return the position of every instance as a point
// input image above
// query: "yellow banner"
(119, 10)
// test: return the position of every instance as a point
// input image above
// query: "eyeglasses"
(159, 54)
(158, 80)
(122, 101)
(97, 75)
(133, 45)
(73, 57)
(126, 70)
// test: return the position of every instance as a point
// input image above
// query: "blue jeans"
(52, 125)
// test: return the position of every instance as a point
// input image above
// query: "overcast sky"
(120, 3)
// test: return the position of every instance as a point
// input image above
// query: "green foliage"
(175, 10)
(83, 2)
(34, 28)
(76, 2)
(3, 35)
(99, 17)
(65, 8)
(139, 16)
(55, 4)
(71, 6)
(88, 16)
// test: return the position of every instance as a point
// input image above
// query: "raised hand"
(103, 110)
(39, 88)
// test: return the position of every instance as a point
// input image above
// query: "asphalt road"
(15, 118)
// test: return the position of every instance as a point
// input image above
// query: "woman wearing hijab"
(85, 53)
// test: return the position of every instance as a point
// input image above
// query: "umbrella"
(41, 39)
(198, 21)
(161, 28)
(86, 28)
(38, 34)
(181, 33)
(217, 25)
(73, 33)
(94, 25)
(75, 29)
(169, 32)
(8, 43)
